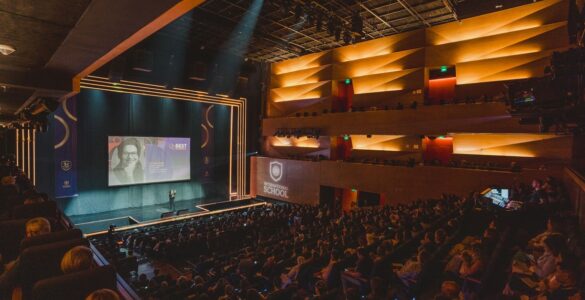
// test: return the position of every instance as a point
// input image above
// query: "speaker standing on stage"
(172, 194)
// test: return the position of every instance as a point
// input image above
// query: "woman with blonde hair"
(79, 258)
(103, 294)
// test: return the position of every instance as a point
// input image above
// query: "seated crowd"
(284, 251)
(450, 248)
(39, 255)
(411, 162)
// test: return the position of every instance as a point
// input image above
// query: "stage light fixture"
(346, 37)
(357, 24)
(331, 25)
(298, 12)
(286, 6)
(319, 21)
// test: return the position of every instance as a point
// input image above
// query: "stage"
(91, 223)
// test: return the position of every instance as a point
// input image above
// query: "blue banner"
(66, 149)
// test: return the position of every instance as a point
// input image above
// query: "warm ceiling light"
(6, 49)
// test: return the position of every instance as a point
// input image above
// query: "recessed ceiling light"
(6, 49)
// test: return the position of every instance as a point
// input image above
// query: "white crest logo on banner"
(276, 171)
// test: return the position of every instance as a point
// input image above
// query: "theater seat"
(44, 261)
(11, 233)
(50, 238)
(75, 286)
(46, 209)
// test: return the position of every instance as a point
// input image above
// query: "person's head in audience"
(79, 258)
(8, 180)
(37, 226)
(103, 294)
(377, 288)
(536, 184)
(300, 260)
(440, 236)
(554, 224)
(253, 294)
(423, 257)
(229, 291)
(32, 197)
(449, 291)
(320, 287)
(554, 244)
(362, 253)
(428, 237)
(335, 256)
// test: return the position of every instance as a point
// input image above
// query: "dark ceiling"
(55, 40)
(35, 29)
(288, 28)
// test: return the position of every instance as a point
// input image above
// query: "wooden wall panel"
(393, 62)
(534, 40)
(400, 184)
(382, 46)
(505, 45)
(510, 20)
(301, 77)
(518, 145)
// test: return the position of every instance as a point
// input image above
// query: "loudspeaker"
(142, 60)
(198, 71)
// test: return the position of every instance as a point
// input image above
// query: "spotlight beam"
(265, 36)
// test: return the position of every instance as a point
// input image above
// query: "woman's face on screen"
(129, 156)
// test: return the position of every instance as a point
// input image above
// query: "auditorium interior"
(292, 149)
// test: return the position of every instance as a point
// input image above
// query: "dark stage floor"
(123, 217)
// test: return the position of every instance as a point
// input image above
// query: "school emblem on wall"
(66, 165)
(276, 170)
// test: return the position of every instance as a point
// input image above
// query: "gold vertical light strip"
(22, 150)
(241, 144)
(28, 142)
(17, 153)
(34, 157)
(238, 151)
(231, 149)
(245, 162)
(243, 155)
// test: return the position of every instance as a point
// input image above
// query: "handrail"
(122, 286)
(576, 176)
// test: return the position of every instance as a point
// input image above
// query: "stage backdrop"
(102, 114)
